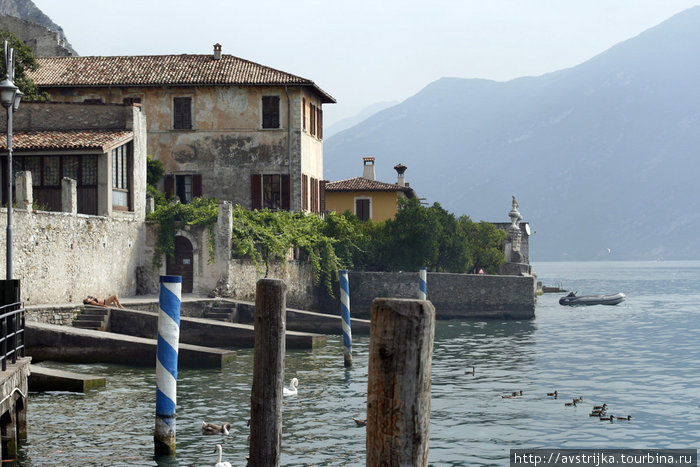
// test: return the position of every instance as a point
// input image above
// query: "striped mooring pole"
(345, 314)
(166, 364)
(422, 283)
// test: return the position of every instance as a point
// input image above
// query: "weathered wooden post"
(268, 373)
(166, 364)
(345, 315)
(398, 385)
(423, 283)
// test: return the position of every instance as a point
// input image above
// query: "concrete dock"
(69, 344)
(50, 379)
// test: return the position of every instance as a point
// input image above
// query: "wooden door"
(181, 263)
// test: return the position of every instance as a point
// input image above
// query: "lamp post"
(10, 97)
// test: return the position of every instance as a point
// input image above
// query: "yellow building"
(366, 197)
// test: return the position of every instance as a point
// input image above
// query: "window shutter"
(286, 188)
(320, 123)
(303, 113)
(322, 195)
(182, 109)
(271, 112)
(196, 185)
(304, 192)
(169, 186)
(256, 190)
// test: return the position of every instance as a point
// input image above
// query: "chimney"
(217, 51)
(369, 168)
(400, 169)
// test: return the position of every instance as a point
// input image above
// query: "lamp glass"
(7, 92)
(18, 97)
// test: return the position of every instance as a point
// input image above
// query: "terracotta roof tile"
(79, 139)
(363, 184)
(159, 70)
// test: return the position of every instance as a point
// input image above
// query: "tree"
(24, 60)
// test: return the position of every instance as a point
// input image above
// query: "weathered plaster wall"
(227, 142)
(62, 258)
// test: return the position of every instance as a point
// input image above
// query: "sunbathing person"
(112, 300)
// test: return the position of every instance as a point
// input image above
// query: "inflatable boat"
(580, 300)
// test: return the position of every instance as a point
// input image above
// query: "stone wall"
(43, 41)
(61, 258)
(454, 295)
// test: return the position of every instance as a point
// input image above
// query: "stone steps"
(222, 312)
(95, 318)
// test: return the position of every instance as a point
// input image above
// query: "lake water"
(641, 357)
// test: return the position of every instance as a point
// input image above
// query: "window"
(316, 121)
(132, 100)
(270, 112)
(182, 113)
(270, 191)
(120, 178)
(362, 208)
(303, 113)
(92, 101)
(186, 187)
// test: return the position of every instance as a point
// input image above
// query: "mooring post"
(345, 315)
(398, 383)
(166, 364)
(268, 373)
(423, 283)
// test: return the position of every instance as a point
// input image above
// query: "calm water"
(641, 357)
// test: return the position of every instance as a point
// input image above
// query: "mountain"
(27, 11)
(601, 156)
(349, 122)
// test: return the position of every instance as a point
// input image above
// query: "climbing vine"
(174, 216)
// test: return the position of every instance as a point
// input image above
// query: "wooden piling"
(268, 373)
(398, 386)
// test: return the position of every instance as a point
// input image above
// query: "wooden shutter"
(312, 118)
(303, 113)
(322, 195)
(320, 123)
(286, 188)
(271, 112)
(362, 209)
(196, 185)
(169, 186)
(304, 192)
(256, 190)
(182, 107)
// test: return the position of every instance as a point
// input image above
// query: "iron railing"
(12, 322)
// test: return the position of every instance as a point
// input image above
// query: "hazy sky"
(362, 52)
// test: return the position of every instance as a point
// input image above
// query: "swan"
(221, 464)
(213, 428)
(293, 384)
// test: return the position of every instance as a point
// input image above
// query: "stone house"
(366, 197)
(223, 127)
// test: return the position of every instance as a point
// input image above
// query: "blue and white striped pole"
(166, 364)
(345, 313)
(423, 283)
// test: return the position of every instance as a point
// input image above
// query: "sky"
(363, 52)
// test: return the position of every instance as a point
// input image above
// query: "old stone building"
(223, 126)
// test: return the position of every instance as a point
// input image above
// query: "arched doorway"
(181, 263)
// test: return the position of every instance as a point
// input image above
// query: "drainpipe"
(289, 144)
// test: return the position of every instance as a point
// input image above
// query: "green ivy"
(174, 216)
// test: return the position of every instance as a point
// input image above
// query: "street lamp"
(10, 96)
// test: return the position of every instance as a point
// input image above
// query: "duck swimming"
(360, 422)
(578, 400)
(213, 428)
(600, 407)
(629, 417)
(570, 404)
(292, 390)
(555, 394)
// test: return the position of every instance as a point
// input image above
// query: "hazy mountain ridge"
(601, 155)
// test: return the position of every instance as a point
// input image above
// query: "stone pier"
(13, 407)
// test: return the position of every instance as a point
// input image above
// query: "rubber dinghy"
(581, 300)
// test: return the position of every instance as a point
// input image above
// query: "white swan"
(221, 464)
(293, 384)
(213, 428)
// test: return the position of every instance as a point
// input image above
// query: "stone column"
(69, 196)
(23, 190)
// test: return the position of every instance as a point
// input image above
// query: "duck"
(213, 428)
(570, 404)
(607, 419)
(600, 407)
(596, 413)
(220, 463)
(554, 394)
(470, 372)
(518, 393)
(292, 389)
(360, 422)
(578, 400)
(629, 417)
(509, 396)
